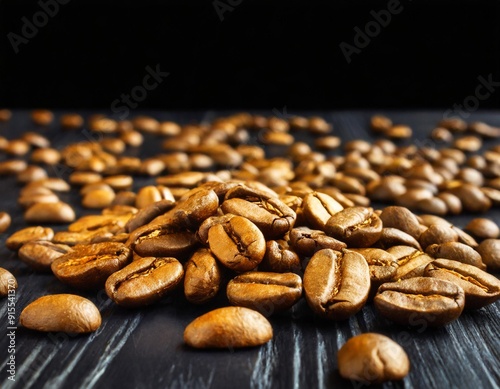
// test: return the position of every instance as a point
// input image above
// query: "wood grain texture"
(143, 348)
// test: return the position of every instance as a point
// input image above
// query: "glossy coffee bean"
(411, 262)
(336, 284)
(18, 238)
(423, 300)
(5, 221)
(50, 213)
(7, 283)
(40, 254)
(144, 281)
(202, 277)
(456, 251)
(489, 249)
(306, 242)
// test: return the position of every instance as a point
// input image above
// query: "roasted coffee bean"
(441, 134)
(83, 237)
(327, 142)
(482, 228)
(456, 251)
(5, 221)
(35, 139)
(465, 238)
(265, 292)
(424, 300)
(61, 313)
(52, 183)
(402, 219)
(31, 173)
(71, 121)
(336, 284)
(7, 282)
(147, 214)
(29, 200)
(484, 130)
(17, 147)
(18, 238)
(453, 203)
(228, 327)
(489, 249)
(5, 115)
(238, 244)
(144, 281)
(306, 242)
(202, 277)
(50, 213)
(387, 189)
(411, 262)
(167, 243)
(195, 208)
(46, 155)
(280, 258)
(98, 199)
(124, 197)
(112, 223)
(84, 178)
(468, 143)
(12, 166)
(472, 198)
(436, 234)
(382, 265)
(39, 255)
(393, 237)
(480, 287)
(42, 117)
(356, 226)
(88, 266)
(372, 358)
(318, 208)
(273, 217)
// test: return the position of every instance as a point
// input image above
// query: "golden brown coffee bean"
(436, 234)
(441, 134)
(35, 139)
(147, 195)
(5, 221)
(356, 226)
(229, 327)
(480, 287)
(42, 117)
(318, 125)
(472, 198)
(489, 249)
(84, 178)
(411, 262)
(5, 115)
(265, 292)
(336, 284)
(40, 254)
(31, 173)
(456, 251)
(468, 143)
(372, 358)
(98, 199)
(17, 147)
(202, 277)
(380, 123)
(399, 131)
(88, 266)
(318, 207)
(18, 238)
(61, 313)
(280, 257)
(8, 283)
(306, 242)
(50, 213)
(144, 281)
(402, 219)
(71, 121)
(424, 300)
(46, 155)
(482, 228)
(12, 166)
(393, 237)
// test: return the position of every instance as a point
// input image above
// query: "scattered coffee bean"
(489, 249)
(40, 254)
(50, 213)
(7, 282)
(482, 228)
(18, 238)
(61, 313)
(5, 221)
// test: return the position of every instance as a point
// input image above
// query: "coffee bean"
(228, 327)
(5, 221)
(436, 234)
(265, 292)
(452, 202)
(318, 208)
(71, 121)
(456, 251)
(454, 124)
(49, 213)
(402, 219)
(17, 147)
(238, 244)
(489, 249)
(18, 238)
(12, 166)
(336, 284)
(480, 287)
(5, 115)
(42, 117)
(144, 281)
(271, 216)
(84, 178)
(483, 228)
(7, 282)
(202, 277)
(411, 262)
(318, 125)
(39, 255)
(46, 155)
(306, 242)
(372, 358)
(356, 226)
(88, 266)
(393, 237)
(166, 242)
(98, 199)
(468, 143)
(35, 139)
(280, 257)
(472, 198)
(61, 313)
(424, 300)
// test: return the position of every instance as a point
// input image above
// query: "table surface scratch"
(144, 348)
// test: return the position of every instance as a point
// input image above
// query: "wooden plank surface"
(143, 348)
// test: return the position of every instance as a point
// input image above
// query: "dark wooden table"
(144, 348)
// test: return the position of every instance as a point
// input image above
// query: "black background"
(261, 55)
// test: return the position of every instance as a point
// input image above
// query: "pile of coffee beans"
(224, 217)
